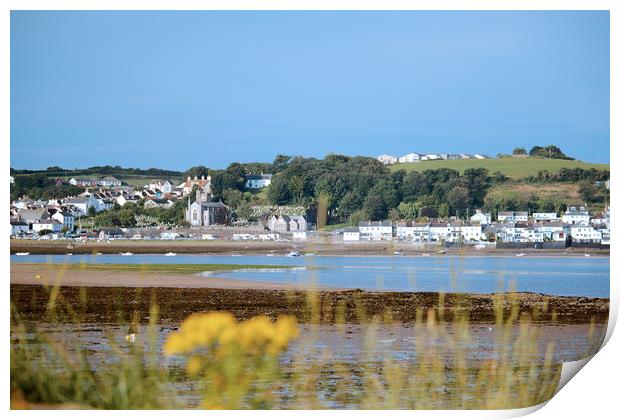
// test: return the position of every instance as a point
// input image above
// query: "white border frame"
(592, 394)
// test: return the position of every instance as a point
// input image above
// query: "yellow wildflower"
(194, 365)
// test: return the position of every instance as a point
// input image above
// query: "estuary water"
(562, 276)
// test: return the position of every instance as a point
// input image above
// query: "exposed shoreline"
(104, 296)
(261, 248)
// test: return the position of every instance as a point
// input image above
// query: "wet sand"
(42, 274)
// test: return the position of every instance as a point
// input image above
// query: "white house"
(81, 204)
(287, 223)
(532, 234)
(576, 214)
(49, 224)
(545, 217)
(66, 218)
(430, 156)
(83, 182)
(351, 234)
(411, 157)
(166, 186)
(513, 232)
(470, 232)
(101, 204)
(257, 181)
(158, 202)
(439, 231)
(512, 216)
(109, 181)
(598, 219)
(387, 159)
(122, 199)
(381, 230)
(554, 231)
(478, 156)
(481, 218)
(585, 234)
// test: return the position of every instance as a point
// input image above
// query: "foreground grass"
(509, 166)
(242, 365)
(161, 268)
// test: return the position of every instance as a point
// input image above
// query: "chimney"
(202, 177)
(195, 177)
(189, 178)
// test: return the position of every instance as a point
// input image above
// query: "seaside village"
(210, 219)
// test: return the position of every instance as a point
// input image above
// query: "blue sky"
(177, 89)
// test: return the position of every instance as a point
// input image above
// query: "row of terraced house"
(576, 225)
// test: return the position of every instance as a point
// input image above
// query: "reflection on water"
(563, 276)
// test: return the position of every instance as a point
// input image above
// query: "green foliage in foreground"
(438, 376)
(43, 372)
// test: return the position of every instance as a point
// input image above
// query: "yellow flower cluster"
(255, 336)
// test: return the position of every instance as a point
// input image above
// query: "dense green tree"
(458, 200)
(297, 185)
(280, 163)
(278, 192)
(232, 197)
(408, 211)
(196, 171)
(588, 192)
(550, 152)
(519, 151)
(375, 207)
(394, 215)
(357, 217)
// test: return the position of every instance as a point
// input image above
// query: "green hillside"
(509, 166)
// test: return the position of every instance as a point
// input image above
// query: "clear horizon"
(178, 89)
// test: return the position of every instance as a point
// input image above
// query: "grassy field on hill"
(509, 166)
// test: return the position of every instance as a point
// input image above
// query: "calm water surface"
(563, 276)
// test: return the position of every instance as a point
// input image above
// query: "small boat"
(70, 253)
(294, 254)
(170, 254)
(441, 251)
(22, 253)
(126, 253)
(586, 255)
(398, 253)
(426, 255)
(99, 253)
(520, 254)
